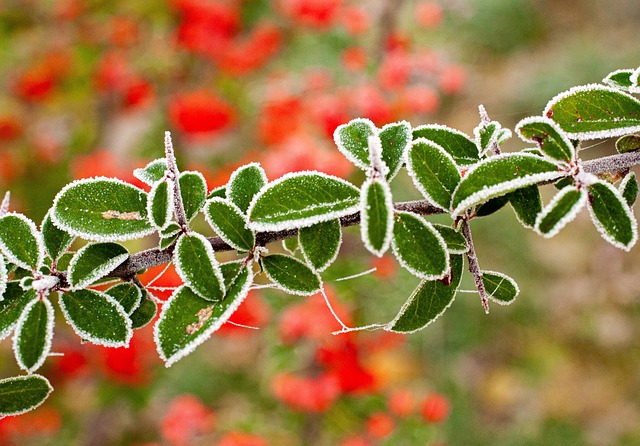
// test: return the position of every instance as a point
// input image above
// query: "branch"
(156, 256)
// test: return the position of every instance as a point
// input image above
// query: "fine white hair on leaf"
(408, 129)
(217, 228)
(169, 203)
(143, 174)
(29, 377)
(37, 235)
(97, 273)
(231, 191)
(635, 88)
(364, 217)
(341, 144)
(450, 130)
(47, 339)
(375, 156)
(611, 83)
(503, 278)
(4, 277)
(567, 218)
(603, 231)
(211, 256)
(550, 122)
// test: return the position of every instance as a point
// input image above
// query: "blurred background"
(87, 87)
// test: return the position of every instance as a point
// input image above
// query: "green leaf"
(320, 243)
(290, 245)
(550, 138)
(14, 301)
(628, 143)
(301, 199)
(619, 79)
(500, 288)
(102, 209)
(527, 204)
(492, 206)
(395, 139)
(612, 216)
(165, 242)
(629, 188)
(193, 190)
(127, 295)
(187, 320)
(427, 302)
(499, 175)
(152, 172)
(94, 261)
(244, 184)
(4, 277)
(56, 241)
(96, 317)
(160, 204)
(488, 134)
(290, 274)
(457, 144)
(456, 244)
(143, 314)
(21, 242)
(33, 335)
(197, 266)
(169, 235)
(562, 209)
(419, 247)
(376, 214)
(229, 223)
(433, 171)
(220, 191)
(352, 140)
(595, 111)
(21, 394)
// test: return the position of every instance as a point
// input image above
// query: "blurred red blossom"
(242, 439)
(401, 402)
(320, 14)
(355, 19)
(185, 419)
(10, 127)
(200, 112)
(44, 422)
(435, 408)
(252, 312)
(429, 14)
(380, 425)
(306, 394)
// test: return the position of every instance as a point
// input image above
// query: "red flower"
(354, 58)
(112, 73)
(380, 425)
(306, 394)
(341, 357)
(10, 128)
(435, 408)
(252, 53)
(369, 102)
(356, 20)
(138, 93)
(185, 419)
(207, 26)
(123, 31)
(328, 111)
(420, 99)
(43, 421)
(242, 439)
(279, 118)
(355, 440)
(320, 14)
(35, 85)
(452, 79)
(429, 14)
(200, 112)
(395, 70)
(401, 402)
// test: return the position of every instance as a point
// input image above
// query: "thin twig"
(174, 175)
(474, 266)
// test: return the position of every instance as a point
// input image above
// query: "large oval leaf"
(102, 209)
(562, 209)
(612, 216)
(429, 300)
(197, 266)
(21, 242)
(94, 261)
(433, 171)
(244, 184)
(33, 335)
(21, 394)
(229, 223)
(551, 140)
(352, 140)
(320, 243)
(395, 139)
(96, 317)
(459, 145)
(56, 241)
(419, 247)
(187, 320)
(376, 214)
(595, 111)
(290, 274)
(499, 175)
(301, 199)
(527, 204)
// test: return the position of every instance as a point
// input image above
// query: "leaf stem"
(174, 175)
(474, 266)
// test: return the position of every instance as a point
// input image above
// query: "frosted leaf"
(320, 243)
(551, 140)
(500, 288)
(455, 241)
(595, 111)
(563, 208)
(228, 221)
(489, 134)
(628, 143)
(4, 206)
(633, 79)
(152, 172)
(612, 216)
(290, 245)
(395, 138)
(301, 199)
(56, 241)
(33, 335)
(428, 302)
(352, 140)
(144, 314)
(96, 317)
(290, 274)
(21, 242)
(94, 261)
(21, 394)
(4, 277)
(527, 204)
(375, 156)
(196, 264)
(620, 79)
(458, 144)
(629, 188)
(11, 307)
(220, 191)
(160, 204)
(244, 184)
(193, 189)
(376, 216)
(127, 295)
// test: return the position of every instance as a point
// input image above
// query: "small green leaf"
(152, 172)
(102, 209)
(187, 320)
(395, 139)
(301, 199)
(193, 189)
(96, 317)
(489, 134)
(21, 242)
(14, 301)
(500, 288)
(290, 245)
(595, 111)
(33, 335)
(419, 247)
(126, 294)
(376, 213)
(628, 143)
(619, 79)
(492, 206)
(229, 223)
(352, 140)
(21, 394)
(433, 171)
(56, 241)
(427, 302)
(197, 266)
(172, 229)
(94, 261)
(244, 184)
(160, 204)
(220, 191)
(562, 209)
(629, 188)
(456, 244)
(165, 242)
(612, 216)
(550, 138)
(143, 314)
(320, 243)
(499, 175)
(4, 277)
(290, 274)
(527, 204)
(457, 144)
